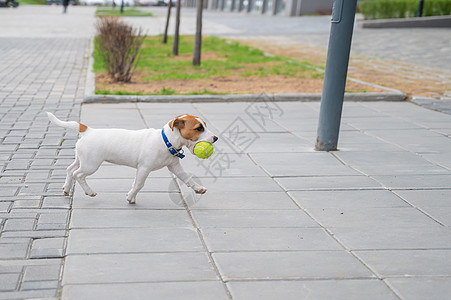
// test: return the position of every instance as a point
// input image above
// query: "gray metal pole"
(343, 14)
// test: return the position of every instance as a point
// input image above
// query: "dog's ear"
(177, 123)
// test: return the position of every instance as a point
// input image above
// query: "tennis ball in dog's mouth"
(203, 150)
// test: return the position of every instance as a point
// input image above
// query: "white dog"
(146, 150)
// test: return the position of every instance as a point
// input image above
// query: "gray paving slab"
(43, 69)
(427, 198)
(241, 184)
(441, 214)
(137, 240)
(243, 200)
(100, 218)
(415, 181)
(268, 239)
(328, 183)
(290, 265)
(393, 237)
(302, 164)
(147, 200)
(252, 218)
(347, 199)
(137, 267)
(311, 289)
(201, 290)
(370, 217)
(422, 287)
(249, 200)
(388, 263)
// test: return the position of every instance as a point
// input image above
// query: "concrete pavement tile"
(148, 267)
(35, 234)
(36, 294)
(290, 265)
(370, 217)
(380, 238)
(347, 199)
(388, 263)
(415, 181)
(9, 282)
(328, 183)
(392, 169)
(257, 125)
(279, 143)
(13, 250)
(145, 200)
(383, 122)
(268, 239)
(441, 214)
(92, 241)
(19, 224)
(252, 218)
(419, 288)
(297, 124)
(302, 164)
(389, 163)
(243, 200)
(427, 198)
(370, 289)
(241, 184)
(199, 290)
(40, 285)
(100, 218)
(223, 165)
(42, 272)
(47, 247)
(380, 157)
(442, 159)
(115, 185)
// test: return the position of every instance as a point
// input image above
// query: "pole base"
(321, 146)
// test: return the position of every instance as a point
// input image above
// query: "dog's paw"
(131, 201)
(200, 190)
(93, 194)
(66, 191)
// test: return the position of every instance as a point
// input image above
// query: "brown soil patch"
(229, 85)
(407, 77)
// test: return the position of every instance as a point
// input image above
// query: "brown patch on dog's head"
(191, 127)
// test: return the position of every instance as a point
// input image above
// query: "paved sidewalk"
(40, 71)
(279, 221)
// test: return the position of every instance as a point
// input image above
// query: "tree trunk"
(175, 48)
(198, 41)
(122, 6)
(165, 37)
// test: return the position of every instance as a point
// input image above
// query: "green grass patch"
(128, 12)
(220, 58)
(387, 9)
(163, 92)
(32, 2)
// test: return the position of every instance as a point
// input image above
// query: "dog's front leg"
(138, 184)
(177, 169)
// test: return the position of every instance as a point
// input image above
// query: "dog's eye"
(200, 128)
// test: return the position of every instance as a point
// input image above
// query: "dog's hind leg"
(81, 173)
(138, 184)
(70, 175)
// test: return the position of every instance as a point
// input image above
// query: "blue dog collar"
(171, 149)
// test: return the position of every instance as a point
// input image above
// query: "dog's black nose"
(215, 138)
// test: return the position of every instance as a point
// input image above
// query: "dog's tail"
(68, 125)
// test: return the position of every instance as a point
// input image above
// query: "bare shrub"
(119, 45)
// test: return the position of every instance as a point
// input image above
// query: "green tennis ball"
(203, 150)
